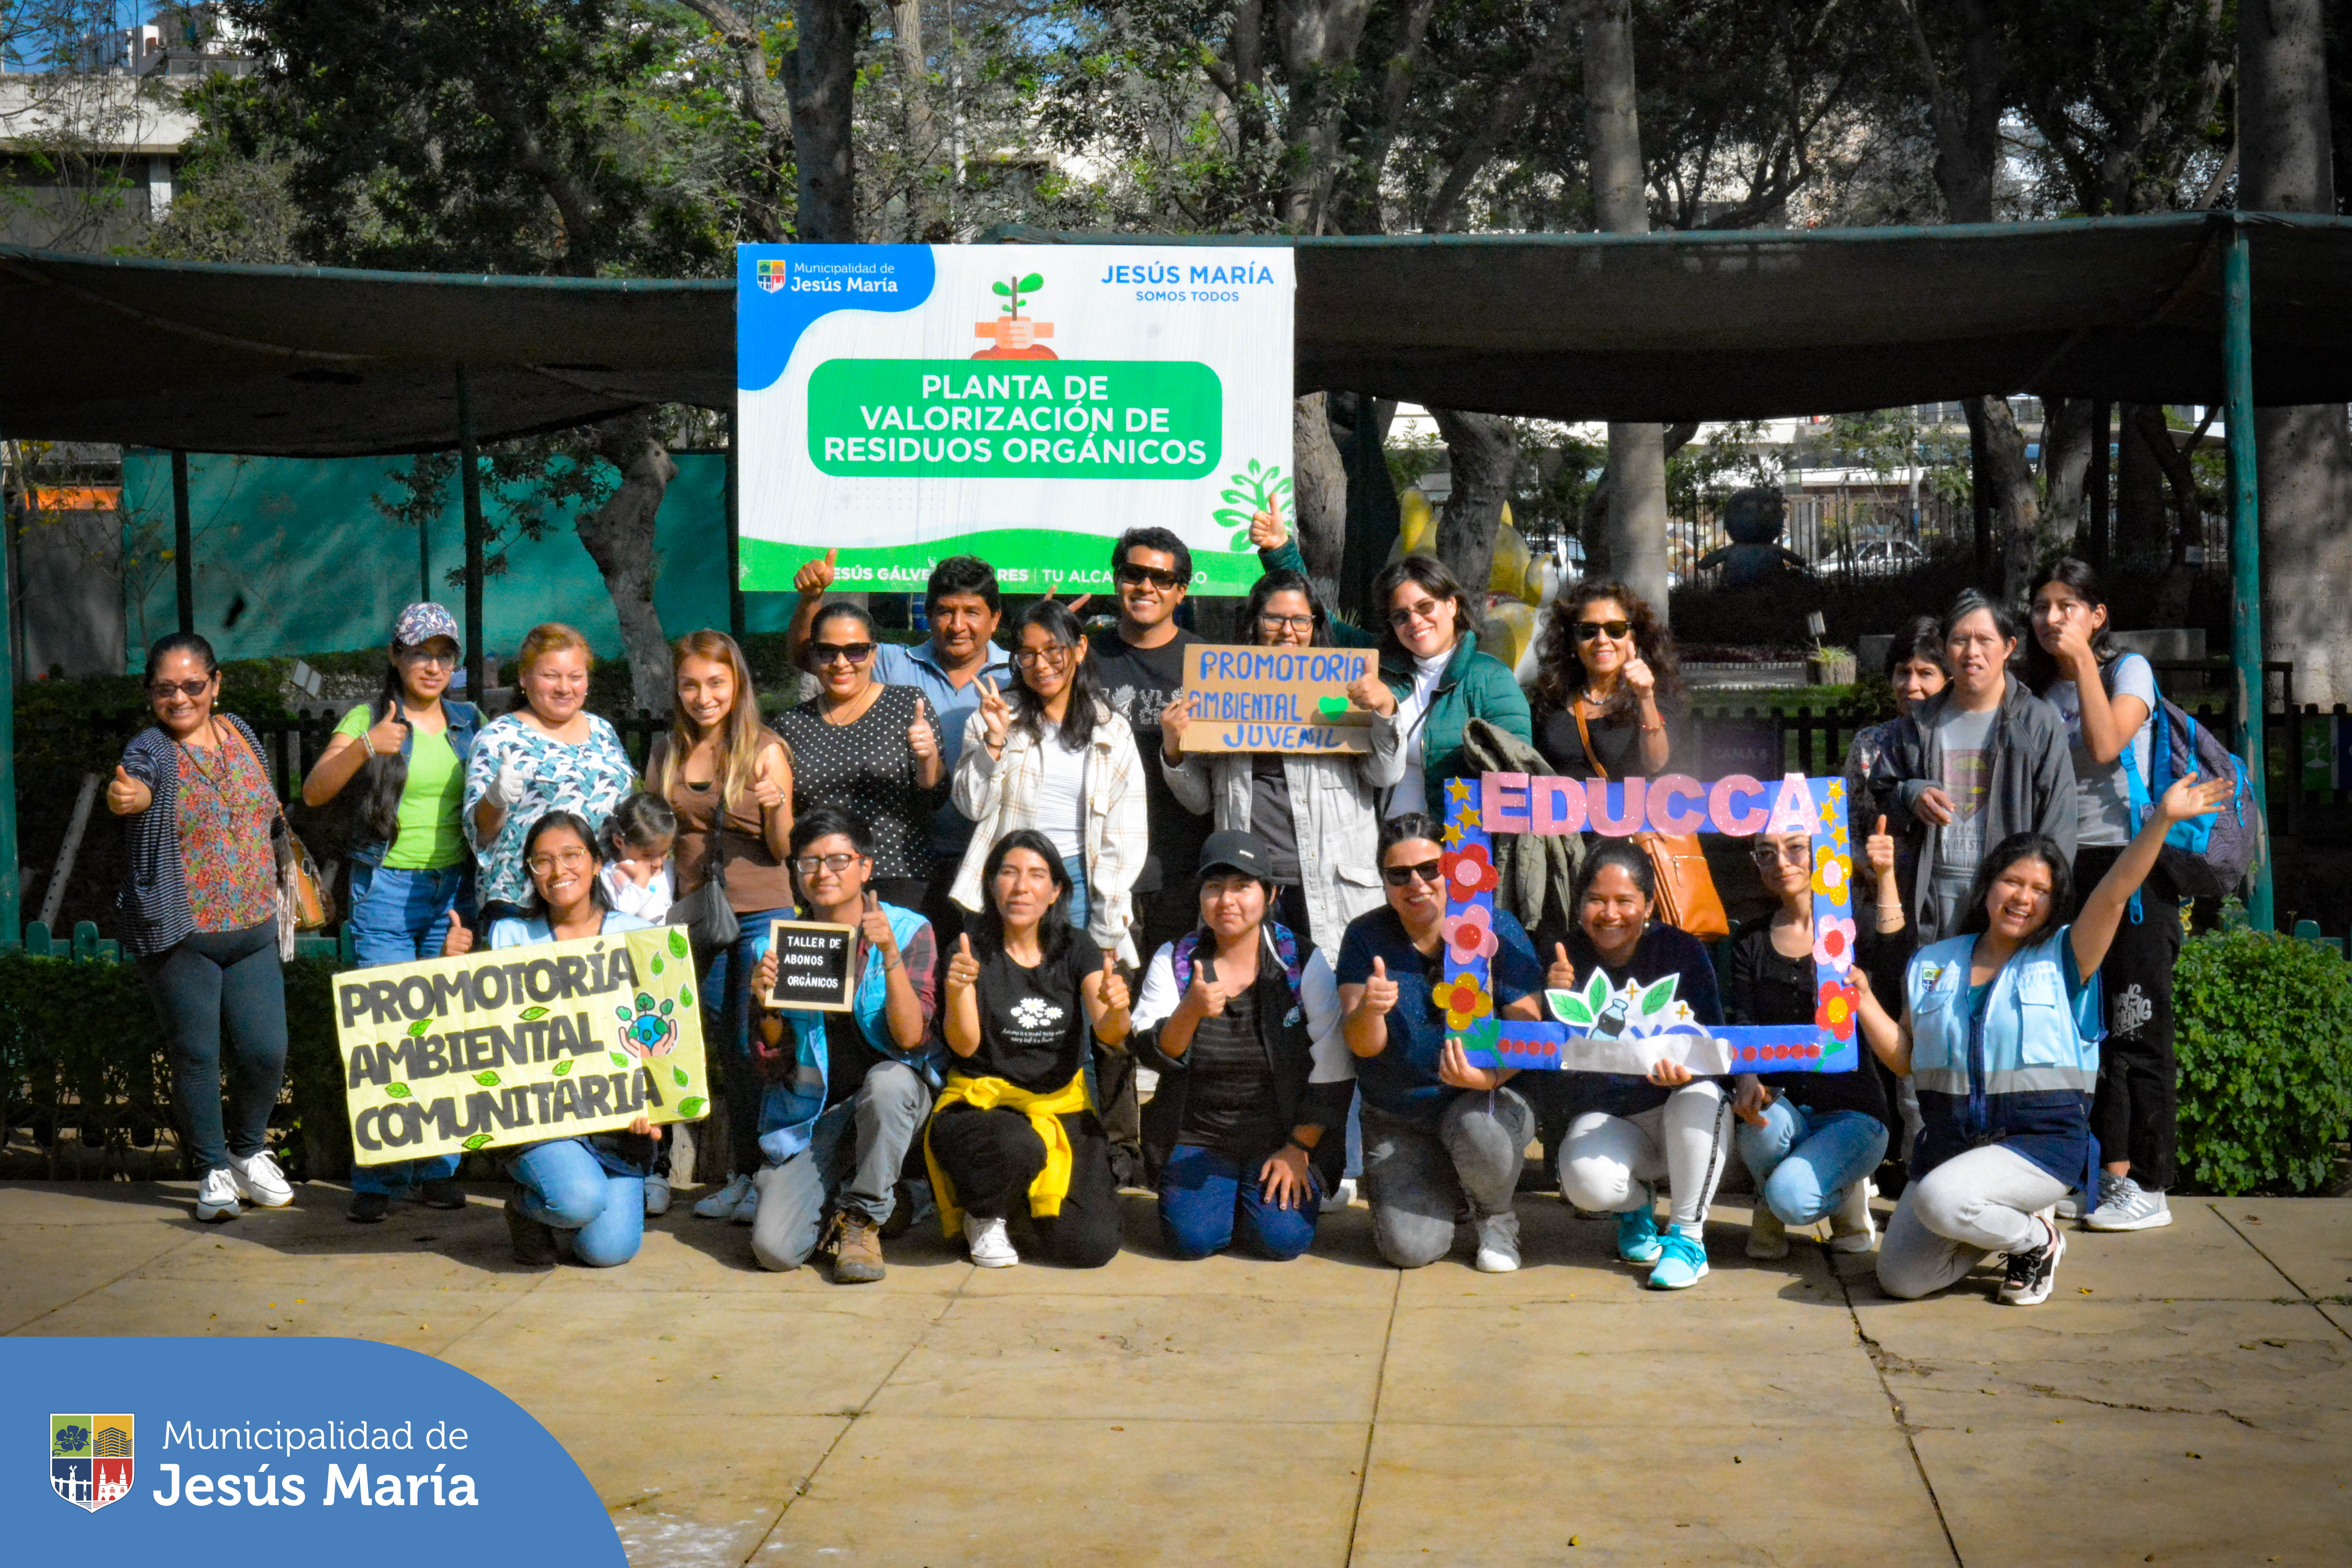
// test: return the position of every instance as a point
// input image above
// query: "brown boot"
(858, 1254)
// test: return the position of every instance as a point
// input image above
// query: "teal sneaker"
(1637, 1232)
(1682, 1265)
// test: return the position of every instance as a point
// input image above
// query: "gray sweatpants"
(853, 1156)
(1958, 1214)
(1612, 1164)
(1415, 1178)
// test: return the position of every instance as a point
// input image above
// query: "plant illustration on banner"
(1259, 490)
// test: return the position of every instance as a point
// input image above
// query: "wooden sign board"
(1277, 698)
(813, 965)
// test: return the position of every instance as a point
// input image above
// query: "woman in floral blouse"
(547, 756)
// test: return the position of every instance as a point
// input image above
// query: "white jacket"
(1000, 796)
(1334, 810)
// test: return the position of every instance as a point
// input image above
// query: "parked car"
(1872, 558)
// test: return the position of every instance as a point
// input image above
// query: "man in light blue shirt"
(964, 608)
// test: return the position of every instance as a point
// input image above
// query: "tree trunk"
(927, 214)
(2065, 463)
(1633, 529)
(824, 75)
(1319, 487)
(2188, 528)
(1482, 450)
(620, 539)
(1318, 39)
(2008, 480)
(2304, 460)
(763, 101)
(2139, 528)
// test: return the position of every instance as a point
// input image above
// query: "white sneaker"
(259, 1181)
(1499, 1243)
(747, 1210)
(1854, 1228)
(216, 1197)
(2072, 1206)
(722, 1203)
(1768, 1234)
(656, 1196)
(1341, 1196)
(2127, 1205)
(990, 1247)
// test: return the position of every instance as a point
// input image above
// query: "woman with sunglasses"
(728, 781)
(868, 749)
(844, 1102)
(410, 869)
(1317, 814)
(1435, 680)
(1027, 1000)
(1053, 757)
(1608, 682)
(551, 755)
(584, 1196)
(1629, 1129)
(1441, 1136)
(199, 909)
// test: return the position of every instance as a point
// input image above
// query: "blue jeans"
(399, 917)
(727, 1026)
(1804, 1160)
(587, 1196)
(1207, 1202)
(1080, 901)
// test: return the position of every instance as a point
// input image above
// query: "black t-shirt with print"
(1139, 683)
(1033, 1022)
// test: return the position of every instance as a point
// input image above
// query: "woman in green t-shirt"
(411, 875)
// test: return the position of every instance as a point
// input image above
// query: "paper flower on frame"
(1836, 1009)
(1468, 872)
(1834, 942)
(1831, 877)
(1470, 935)
(1465, 1000)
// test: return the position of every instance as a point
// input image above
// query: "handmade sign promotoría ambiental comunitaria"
(1275, 699)
(1599, 1027)
(812, 965)
(520, 1044)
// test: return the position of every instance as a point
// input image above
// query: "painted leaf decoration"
(397, 1090)
(685, 996)
(1656, 996)
(618, 1059)
(486, 1079)
(1569, 1007)
(1596, 993)
(680, 1074)
(527, 1013)
(622, 1014)
(666, 1007)
(1232, 518)
(691, 1106)
(477, 1140)
(676, 942)
(657, 965)
(1035, 280)
(417, 1029)
(563, 1068)
(1253, 466)
(1236, 497)
(644, 1002)
(999, 289)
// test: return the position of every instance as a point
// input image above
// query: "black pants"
(212, 979)
(2135, 1113)
(939, 908)
(992, 1156)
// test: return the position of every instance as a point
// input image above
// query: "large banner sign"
(902, 403)
(1597, 1027)
(520, 1044)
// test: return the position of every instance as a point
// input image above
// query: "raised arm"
(2103, 910)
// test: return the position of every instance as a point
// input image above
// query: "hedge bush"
(2264, 1036)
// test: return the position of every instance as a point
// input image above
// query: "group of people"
(1052, 896)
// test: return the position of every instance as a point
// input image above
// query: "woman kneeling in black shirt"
(1023, 993)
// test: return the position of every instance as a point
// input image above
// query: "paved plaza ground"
(2186, 1397)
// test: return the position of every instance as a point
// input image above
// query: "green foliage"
(2265, 1038)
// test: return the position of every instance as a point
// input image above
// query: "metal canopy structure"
(323, 362)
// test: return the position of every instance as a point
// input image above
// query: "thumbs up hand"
(126, 797)
(459, 941)
(921, 739)
(1111, 988)
(875, 927)
(1379, 991)
(1562, 975)
(963, 969)
(1879, 850)
(815, 575)
(1204, 996)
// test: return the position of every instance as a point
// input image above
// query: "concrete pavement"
(2186, 1396)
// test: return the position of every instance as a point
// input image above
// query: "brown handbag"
(1686, 895)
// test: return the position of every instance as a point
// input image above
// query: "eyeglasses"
(841, 652)
(1031, 657)
(1799, 854)
(1424, 611)
(810, 865)
(1402, 876)
(568, 859)
(425, 656)
(159, 690)
(1587, 630)
(1138, 576)
(1287, 623)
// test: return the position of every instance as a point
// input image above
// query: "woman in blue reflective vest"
(1999, 1032)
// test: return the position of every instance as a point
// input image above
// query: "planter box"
(1836, 670)
(1745, 677)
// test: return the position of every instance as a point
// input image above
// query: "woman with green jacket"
(1437, 680)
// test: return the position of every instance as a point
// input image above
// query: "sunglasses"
(841, 652)
(1138, 575)
(1402, 876)
(1769, 854)
(159, 690)
(1424, 611)
(1587, 630)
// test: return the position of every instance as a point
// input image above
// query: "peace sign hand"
(996, 715)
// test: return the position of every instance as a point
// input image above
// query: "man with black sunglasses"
(1139, 671)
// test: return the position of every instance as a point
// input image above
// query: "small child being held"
(638, 838)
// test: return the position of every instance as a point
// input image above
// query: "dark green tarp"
(319, 362)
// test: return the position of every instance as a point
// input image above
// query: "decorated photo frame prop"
(1596, 1027)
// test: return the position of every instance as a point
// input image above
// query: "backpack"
(2206, 857)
